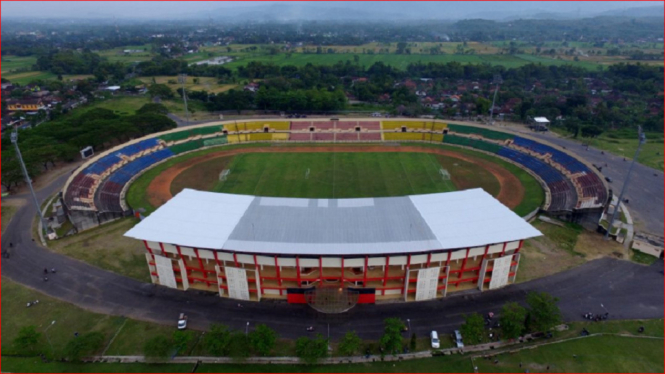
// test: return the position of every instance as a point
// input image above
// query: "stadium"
(333, 212)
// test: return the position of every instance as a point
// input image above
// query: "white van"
(435, 339)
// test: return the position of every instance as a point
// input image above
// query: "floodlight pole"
(182, 78)
(642, 140)
(14, 139)
(497, 81)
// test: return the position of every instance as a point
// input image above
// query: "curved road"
(627, 291)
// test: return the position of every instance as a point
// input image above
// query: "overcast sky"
(182, 9)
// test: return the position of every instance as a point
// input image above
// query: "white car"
(434, 337)
(457, 336)
(182, 321)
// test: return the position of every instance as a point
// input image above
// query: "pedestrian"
(53, 270)
(520, 364)
(45, 271)
(76, 334)
(10, 244)
(45, 279)
(548, 368)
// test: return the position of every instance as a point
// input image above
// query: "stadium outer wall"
(376, 277)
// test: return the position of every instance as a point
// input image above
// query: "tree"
(157, 347)
(84, 345)
(28, 338)
(12, 175)
(263, 339)
(513, 317)
(240, 347)
(310, 351)
(591, 131)
(391, 341)
(544, 312)
(160, 90)
(153, 108)
(181, 339)
(473, 328)
(350, 344)
(217, 340)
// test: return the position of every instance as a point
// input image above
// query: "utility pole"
(497, 81)
(182, 79)
(642, 140)
(14, 139)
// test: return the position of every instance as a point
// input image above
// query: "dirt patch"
(594, 246)
(510, 194)
(202, 176)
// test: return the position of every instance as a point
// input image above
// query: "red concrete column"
(235, 259)
(279, 276)
(385, 275)
(459, 275)
(196, 252)
(429, 259)
(161, 246)
(365, 273)
(342, 271)
(505, 244)
(298, 271)
(145, 242)
(321, 269)
(258, 273)
(520, 246)
(217, 259)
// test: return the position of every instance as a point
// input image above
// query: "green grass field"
(334, 175)
(356, 175)
(604, 354)
(13, 63)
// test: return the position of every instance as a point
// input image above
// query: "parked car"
(608, 179)
(182, 321)
(457, 337)
(434, 336)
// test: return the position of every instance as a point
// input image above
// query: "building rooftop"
(362, 226)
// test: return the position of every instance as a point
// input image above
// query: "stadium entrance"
(331, 300)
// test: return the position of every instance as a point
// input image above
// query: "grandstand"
(281, 248)
(97, 186)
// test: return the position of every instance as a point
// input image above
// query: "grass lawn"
(423, 177)
(193, 83)
(642, 258)
(624, 144)
(106, 247)
(13, 63)
(122, 105)
(334, 175)
(26, 77)
(7, 214)
(603, 354)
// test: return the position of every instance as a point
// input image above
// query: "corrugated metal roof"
(404, 224)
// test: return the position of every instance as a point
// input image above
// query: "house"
(539, 123)
(252, 87)
(25, 105)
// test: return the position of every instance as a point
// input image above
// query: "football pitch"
(335, 175)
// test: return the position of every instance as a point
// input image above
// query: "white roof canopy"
(541, 120)
(405, 224)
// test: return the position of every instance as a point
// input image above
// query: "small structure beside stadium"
(333, 252)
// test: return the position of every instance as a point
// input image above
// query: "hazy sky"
(182, 9)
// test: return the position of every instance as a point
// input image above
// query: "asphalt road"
(627, 291)
(645, 191)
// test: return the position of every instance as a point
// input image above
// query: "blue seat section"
(563, 196)
(108, 161)
(545, 171)
(570, 163)
(126, 172)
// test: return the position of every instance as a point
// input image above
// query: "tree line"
(62, 139)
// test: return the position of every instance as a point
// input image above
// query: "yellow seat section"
(405, 136)
(260, 137)
(280, 136)
(234, 138)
